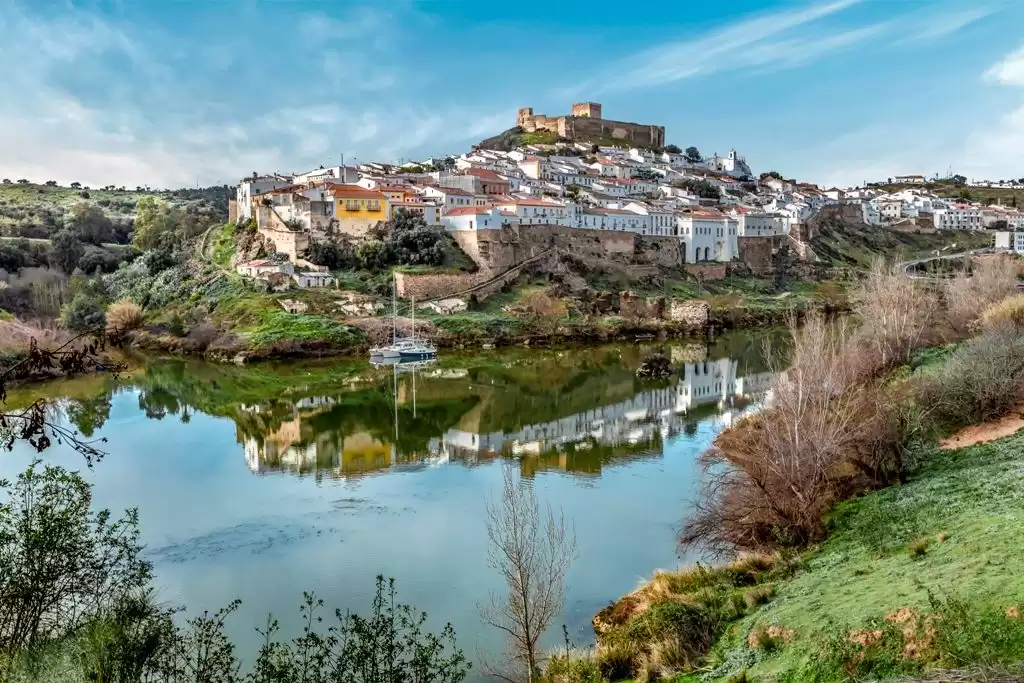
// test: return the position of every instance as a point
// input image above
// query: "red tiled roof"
(469, 210)
(353, 192)
(454, 190)
(485, 174)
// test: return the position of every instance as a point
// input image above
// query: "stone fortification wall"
(497, 250)
(636, 133)
(715, 272)
(423, 286)
(756, 252)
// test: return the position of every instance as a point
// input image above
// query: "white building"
(250, 187)
(309, 279)
(1011, 241)
(450, 197)
(959, 217)
(260, 267)
(753, 223)
(477, 218)
(343, 175)
(708, 236)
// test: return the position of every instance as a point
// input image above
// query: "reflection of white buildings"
(640, 419)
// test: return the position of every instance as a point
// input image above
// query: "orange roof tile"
(469, 210)
(354, 192)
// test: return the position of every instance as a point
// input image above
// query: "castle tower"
(591, 110)
(524, 116)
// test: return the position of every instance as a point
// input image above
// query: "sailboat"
(403, 348)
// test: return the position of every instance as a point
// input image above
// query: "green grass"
(224, 245)
(279, 326)
(876, 560)
(475, 325)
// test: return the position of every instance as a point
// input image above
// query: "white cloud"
(1009, 70)
(744, 44)
(933, 25)
(105, 102)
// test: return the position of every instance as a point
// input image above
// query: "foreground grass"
(923, 575)
(953, 533)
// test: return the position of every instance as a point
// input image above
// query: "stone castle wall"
(586, 121)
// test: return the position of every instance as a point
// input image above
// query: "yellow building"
(357, 209)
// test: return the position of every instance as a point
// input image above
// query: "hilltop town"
(629, 198)
(584, 229)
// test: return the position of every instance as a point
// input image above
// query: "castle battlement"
(585, 121)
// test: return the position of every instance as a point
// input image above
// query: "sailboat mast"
(394, 308)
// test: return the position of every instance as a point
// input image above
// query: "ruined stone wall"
(637, 133)
(756, 252)
(498, 250)
(716, 272)
(689, 312)
(430, 286)
(232, 211)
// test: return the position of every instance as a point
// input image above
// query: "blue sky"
(172, 92)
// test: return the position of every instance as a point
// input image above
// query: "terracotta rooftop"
(353, 192)
(469, 210)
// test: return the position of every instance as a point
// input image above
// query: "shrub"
(982, 380)
(968, 295)
(919, 548)
(84, 313)
(828, 432)
(573, 667)
(52, 583)
(897, 314)
(1008, 311)
(123, 316)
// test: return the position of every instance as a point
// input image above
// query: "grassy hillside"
(949, 541)
(947, 188)
(857, 245)
(37, 211)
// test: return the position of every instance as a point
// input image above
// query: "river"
(259, 483)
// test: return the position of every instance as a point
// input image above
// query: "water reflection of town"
(581, 443)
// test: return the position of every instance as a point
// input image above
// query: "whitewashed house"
(959, 217)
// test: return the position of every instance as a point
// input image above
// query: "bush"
(84, 313)
(1008, 311)
(123, 316)
(574, 667)
(968, 295)
(53, 582)
(982, 380)
(829, 432)
(897, 314)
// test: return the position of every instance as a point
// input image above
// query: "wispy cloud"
(103, 101)
(935, 24)
(743, 44)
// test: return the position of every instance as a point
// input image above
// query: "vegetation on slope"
(917, 574)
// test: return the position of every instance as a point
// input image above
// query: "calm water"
(259, 483)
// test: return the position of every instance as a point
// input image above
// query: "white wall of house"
(247, 189)
(489, 219)
(959, 217)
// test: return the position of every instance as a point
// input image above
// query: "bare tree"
(897, 313)
(533, 551)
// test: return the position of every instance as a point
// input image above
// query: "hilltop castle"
(585, 121)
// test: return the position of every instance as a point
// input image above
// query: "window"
(373, 205)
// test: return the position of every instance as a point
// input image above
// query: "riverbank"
(311, 337)
(919, 576)
(917, 570)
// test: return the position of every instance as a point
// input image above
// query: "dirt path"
(988, 431)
